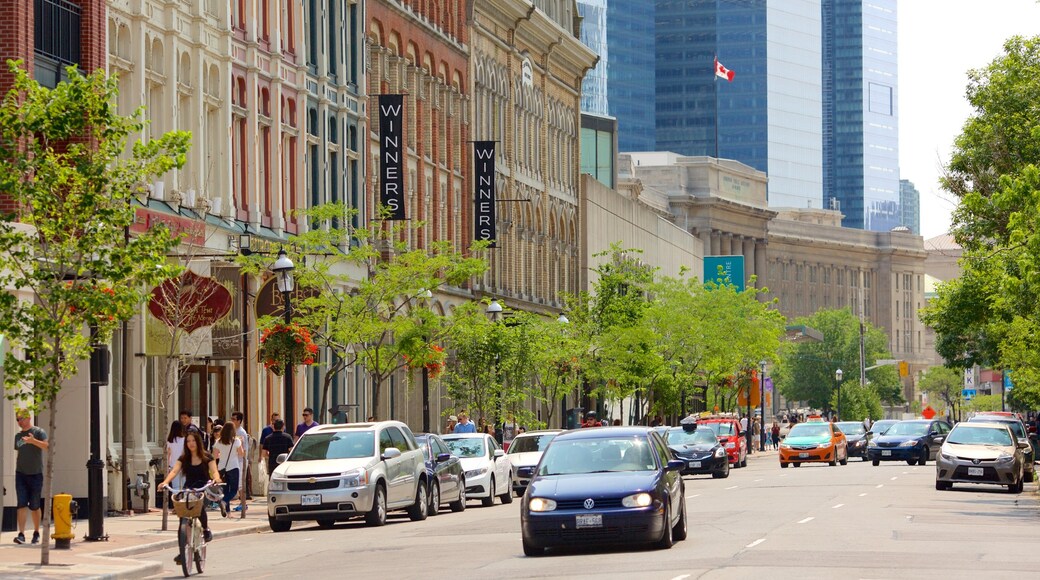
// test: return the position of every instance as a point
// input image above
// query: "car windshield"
(979, 435)
(881, 427)
(722, 429)
(531, 443)
(598, 456)
(680, 436)
(334, 445)
(1016, 426)
(908, 428)
(810, 430)
(852, 428)
(466, 446)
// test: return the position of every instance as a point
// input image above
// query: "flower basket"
(286, 344)
(432, 358)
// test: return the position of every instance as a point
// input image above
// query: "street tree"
(473, 378)
(946, 385)
(65, 165)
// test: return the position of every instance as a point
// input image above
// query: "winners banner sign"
(484, 196)
(391, 174)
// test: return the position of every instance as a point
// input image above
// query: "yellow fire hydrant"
(63, 512)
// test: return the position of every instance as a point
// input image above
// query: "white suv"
(335, 472)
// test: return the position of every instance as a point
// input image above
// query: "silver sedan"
(980, 453)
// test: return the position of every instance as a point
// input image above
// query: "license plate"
(589, 521)
(803, 455)
(886, 453)
(695, 464)
(310, 499)
(975, 471)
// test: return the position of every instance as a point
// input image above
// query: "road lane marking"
(806, 520)
(894, 478)
(863, 494)
(683, 577)
(693, 496)
(837, 506)
(733, 487)
(755, 543)
(757, 480)
(880, 485)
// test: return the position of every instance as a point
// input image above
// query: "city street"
(854, 521)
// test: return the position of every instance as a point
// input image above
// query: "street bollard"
(64, 509)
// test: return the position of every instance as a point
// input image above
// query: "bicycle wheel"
(200, 547)
(185, 544)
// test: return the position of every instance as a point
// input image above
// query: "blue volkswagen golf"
(612, 485)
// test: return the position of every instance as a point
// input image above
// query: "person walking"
(268, 429)
(189, 425)
(228, 452)
(465, 425)
(756, 433)
(29, 442)
(452, 421)
(307, 424)
(198, 467)
(238, 420)
(174, 447)
(776, 435)
(277, 442)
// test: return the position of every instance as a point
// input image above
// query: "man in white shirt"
(237, 419)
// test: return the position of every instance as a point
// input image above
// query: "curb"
(144, 569)
(172, 542)
(140, 569)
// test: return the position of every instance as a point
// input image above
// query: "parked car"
(916, 441)
(879, 428)
(444, 472)
(484, 466)
(335, 472)
(981, 452)
(856, 437)
(614, 485)
(732, 437)
(524, 454)
(1018, 429)
(700, 449)
(815, 441)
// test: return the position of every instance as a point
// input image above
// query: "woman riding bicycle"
(199, 468)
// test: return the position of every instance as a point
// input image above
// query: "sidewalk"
(127, 536)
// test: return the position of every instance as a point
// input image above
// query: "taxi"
(815, 441)
(731, 437)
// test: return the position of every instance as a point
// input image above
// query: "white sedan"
(486, 467)
(524, 453)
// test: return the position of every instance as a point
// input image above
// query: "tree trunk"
(377, 381)
(45, 504)
(322, 406)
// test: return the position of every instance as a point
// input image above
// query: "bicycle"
(191, 543)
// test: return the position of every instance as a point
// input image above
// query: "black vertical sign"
(484, 193)
(391, 170)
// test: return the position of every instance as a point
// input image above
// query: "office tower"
(594, 36)
(909, 206)
(860, 117)
(631, 74)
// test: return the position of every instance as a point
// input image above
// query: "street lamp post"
(762, 406)
(425, 295)
(494, 310)
(747, 435)
(563, 400)
(837, 378)
(283, 268)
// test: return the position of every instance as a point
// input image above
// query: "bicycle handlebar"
(202, 489)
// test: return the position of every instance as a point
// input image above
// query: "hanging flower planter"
(286, 344)
(432, 358)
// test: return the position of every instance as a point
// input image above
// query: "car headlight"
(859, 443)
(355, 478)
(1005, 458)
(476, 472)
(720, 453)
(947, 457)
(825, 444)
(637, 500)
(276, 485)
(784, 446)
(541, 504)
(731, 446)
(910, 443)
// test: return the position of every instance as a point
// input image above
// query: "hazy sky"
(939, 41)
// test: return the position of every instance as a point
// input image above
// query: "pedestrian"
(268, 429)
(756, 432)
(277, 442)
(199, 468)
(189, 425)
(228, 451)
(490, 430)
(29, 443)
(776, 435)
(174, 447)
(465, 425)
(617, 422)
(452, 421)
(238, 420)
(307, 424)
(214, 432)
(591, 420)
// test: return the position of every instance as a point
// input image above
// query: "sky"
(939, 41)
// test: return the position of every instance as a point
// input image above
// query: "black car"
(444, 472)
(856, 437)
(700, 449)
(1021, 433)
(916, 441)
(612, 485)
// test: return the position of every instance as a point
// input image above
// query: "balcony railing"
(57, 30)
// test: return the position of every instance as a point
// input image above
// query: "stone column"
(761, 264)
(716, 243)
(749, 257)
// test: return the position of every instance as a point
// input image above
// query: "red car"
(731, 437)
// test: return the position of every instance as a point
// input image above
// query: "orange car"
(814, 441)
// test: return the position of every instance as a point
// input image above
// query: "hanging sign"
(391, 170)
(484, 192)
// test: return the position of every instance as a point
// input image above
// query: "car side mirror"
(499, 453)
(443, 457)
(391, 453)
(933, 433)
(281, 458)
(675, 465)
(1023, 445)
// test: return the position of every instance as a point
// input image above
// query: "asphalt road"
(854, 521)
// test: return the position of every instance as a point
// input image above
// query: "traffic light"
(904, 368)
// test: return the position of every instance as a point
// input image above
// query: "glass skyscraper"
(594, 36)
(909, 206)
(631, 84)
(860, 118)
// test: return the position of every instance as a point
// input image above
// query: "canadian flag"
(723, 72)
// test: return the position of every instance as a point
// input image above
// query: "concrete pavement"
(127, 536)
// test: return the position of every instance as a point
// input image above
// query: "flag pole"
(715, 91)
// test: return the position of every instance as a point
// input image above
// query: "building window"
(56, 40)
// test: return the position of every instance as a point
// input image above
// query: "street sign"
(969, 379)
(904, 368)
(928, 412)
(968, 394)
(1008, 385)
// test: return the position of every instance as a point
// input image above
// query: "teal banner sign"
(732, 270)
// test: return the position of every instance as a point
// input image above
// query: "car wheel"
(666, 540)
(460, 504)
(1016, 487)
(834, 460)
(278, 526)
(490, 499)
(507, 497)
(876, 462)
(923, 460)
(420, 509)
(435, 499)
(519, 493)
(377, 515)
(743, 462)
(1029, 476)
(865, 458)
(796, 464)
(679, 531)
(845, 460)
(942, 485)
(783, 465)
(326, 524)
(532, 550)
(722, 473)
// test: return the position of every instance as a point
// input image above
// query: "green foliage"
(981, 403)
(858, 402)
(944, 385)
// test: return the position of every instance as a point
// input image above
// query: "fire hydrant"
(64, 510)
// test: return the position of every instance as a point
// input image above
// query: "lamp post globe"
(283, 268)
